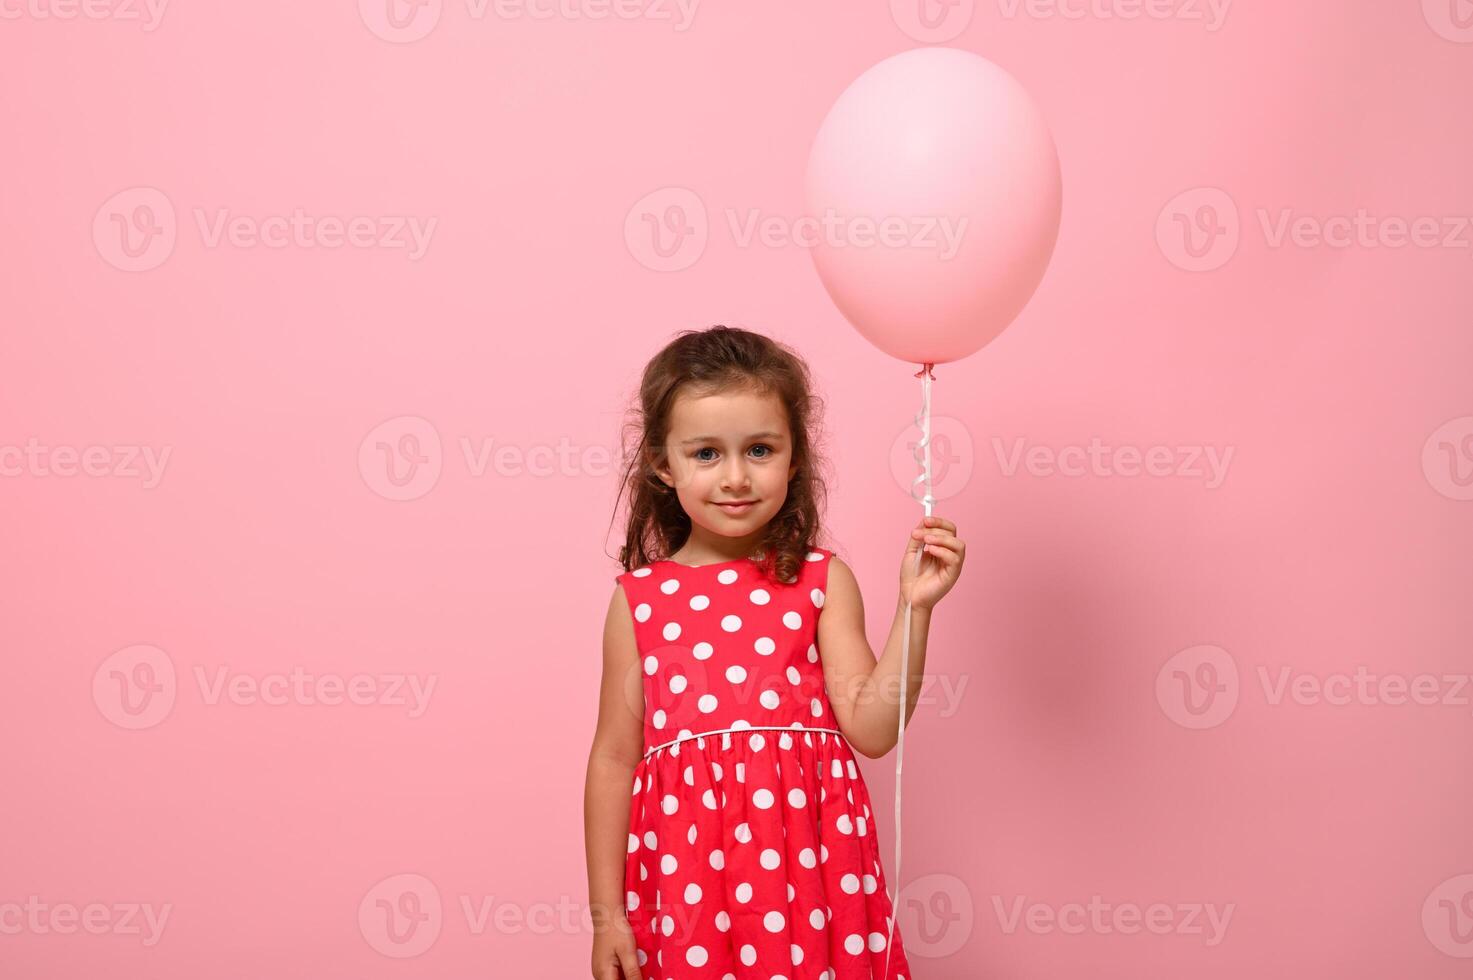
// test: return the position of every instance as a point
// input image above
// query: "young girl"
(737, 686)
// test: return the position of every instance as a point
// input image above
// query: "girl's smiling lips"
(735, 507)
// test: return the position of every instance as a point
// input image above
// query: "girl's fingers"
(942, 553)
(950, 540)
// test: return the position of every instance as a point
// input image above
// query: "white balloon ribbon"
(923, 457)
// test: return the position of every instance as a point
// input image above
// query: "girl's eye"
(705, 459)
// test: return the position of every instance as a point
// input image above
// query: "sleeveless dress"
(752, 851)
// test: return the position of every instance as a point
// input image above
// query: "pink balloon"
(939, 183)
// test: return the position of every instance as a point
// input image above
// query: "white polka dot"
(707, 703)
(744, 893)
(649, 839)
(796, 952)
(677, 683)
(696, 955)
(692, 895)
(876, 942)
(669, 804)
(813, 654)
(743, 833)
(763, 800)
(792, 620)
(794, 677)
(671, 631)
(641, 572)
(845, 825)
(769, 858)
(797, 798)
(699, 602)
(736, 673)
(757, 742)
(631, 901)
(769, 699)
(731, 623)
(759, 597)
(807, 858)
(727, 577)
(702, 650)
(817, 596)
(816, 707)
(814, 556)
(669, 586)
(815, 918)
(708, 799)
(718, 859)
(651, 664)
(634, 841)
(764, 645)
(850, 884)
(659, 718)
(870, 884)
(773, 921)
(642, 611)
(854, 943)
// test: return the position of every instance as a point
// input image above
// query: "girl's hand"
(941, 564)
(614, 955)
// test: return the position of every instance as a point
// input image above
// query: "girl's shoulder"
(643, 571)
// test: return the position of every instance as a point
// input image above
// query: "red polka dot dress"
(752, 848)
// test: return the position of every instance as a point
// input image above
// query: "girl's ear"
(659, 465)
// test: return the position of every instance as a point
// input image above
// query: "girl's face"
(728, 448)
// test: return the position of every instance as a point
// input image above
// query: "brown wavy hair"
(721, 360)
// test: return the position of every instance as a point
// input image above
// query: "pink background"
(1056, 755)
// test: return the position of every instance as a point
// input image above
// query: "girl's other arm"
(618, 743)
